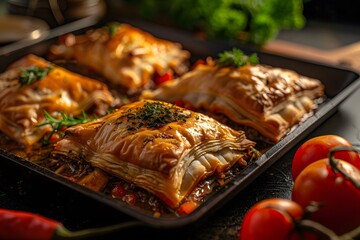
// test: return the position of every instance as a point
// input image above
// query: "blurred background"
(323, 25)
(222, 18)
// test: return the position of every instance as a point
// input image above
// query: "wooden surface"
(348, 55)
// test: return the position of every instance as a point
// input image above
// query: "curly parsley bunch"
(252, 21)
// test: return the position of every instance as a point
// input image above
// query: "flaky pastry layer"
(22, 106)
(269, 99)
(158, 146)
(126, 56)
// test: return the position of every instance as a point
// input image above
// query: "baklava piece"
(33, 86)
(157, 146)
(269, 99)
(126, 56)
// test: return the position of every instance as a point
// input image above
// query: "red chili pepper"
(25, 225)
(19, 225)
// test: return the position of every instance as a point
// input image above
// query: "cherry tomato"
(338, 197)
(273, 219)
(318, 148)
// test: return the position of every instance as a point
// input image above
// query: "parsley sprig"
(32, 74)
(58, 125)
(236, 58)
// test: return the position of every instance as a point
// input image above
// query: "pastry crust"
(128, 57)
(268, 99)
(59, 91)
(158, 146)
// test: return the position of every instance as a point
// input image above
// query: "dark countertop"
(21, 189)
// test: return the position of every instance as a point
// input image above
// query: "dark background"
(344, 11)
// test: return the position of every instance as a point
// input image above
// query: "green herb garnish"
(113, 28)
(154, 115)
(251, 21)
(58, 125)
(32, 74)
(236, 58)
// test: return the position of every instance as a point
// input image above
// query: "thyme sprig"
(154, 115)
(32, 74)
(65, 121)
(236, 58)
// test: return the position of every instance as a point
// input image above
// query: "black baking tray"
(339, 84)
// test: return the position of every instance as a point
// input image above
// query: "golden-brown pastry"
(33, 85)
(268, 99)
(157, 146)
(124, 55)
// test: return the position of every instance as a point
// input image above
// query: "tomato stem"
(334, 163)
(319, 228)
(305, 224)
(352, 235)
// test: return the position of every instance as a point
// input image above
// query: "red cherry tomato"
(273, 219)
(339, 198)
(318, 148)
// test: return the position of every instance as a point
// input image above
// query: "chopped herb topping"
(58, 125)
(154, 115)
(113, 28)
(32, 74)
(236, 58)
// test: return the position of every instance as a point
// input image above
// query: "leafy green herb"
(113, 28)
(32, 74)
(58, 125)
(154, 115)
(252, 21)
(236, 58)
